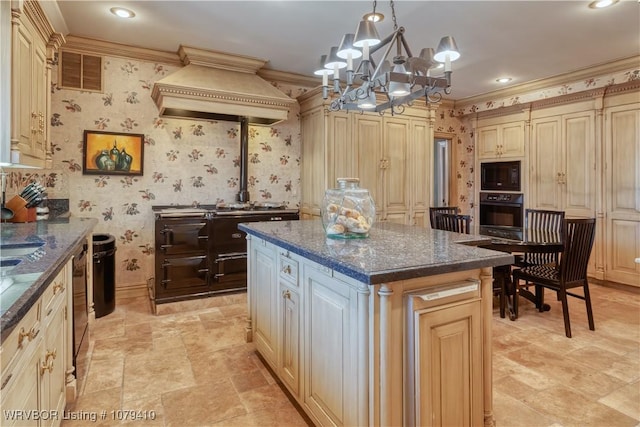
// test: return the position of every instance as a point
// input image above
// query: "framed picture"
(112, 153)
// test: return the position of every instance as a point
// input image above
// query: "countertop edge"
(21, 307)
(493, 259)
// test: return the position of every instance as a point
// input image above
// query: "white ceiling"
(526, 40)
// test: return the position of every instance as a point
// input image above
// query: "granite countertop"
(392, 251)
(61, 236)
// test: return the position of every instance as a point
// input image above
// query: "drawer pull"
(58, 287)
(6, 381)
(31, 335)
(49, 312)
(286, 294)
(286, 269)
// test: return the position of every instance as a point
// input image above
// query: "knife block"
(20, 211)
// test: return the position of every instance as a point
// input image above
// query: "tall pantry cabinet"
(391, 155)
(621, 184)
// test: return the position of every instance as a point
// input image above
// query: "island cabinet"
(33, 360)
(391, 155)
(358, 349)
(34, 43)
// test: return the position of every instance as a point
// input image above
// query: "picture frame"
(112, 153)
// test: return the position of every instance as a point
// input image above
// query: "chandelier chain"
(393, 15)
(374, 7)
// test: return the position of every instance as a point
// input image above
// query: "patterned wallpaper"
(192, 162)
(185, 161)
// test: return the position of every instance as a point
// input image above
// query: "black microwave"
(500, 176)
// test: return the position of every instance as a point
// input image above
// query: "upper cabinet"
(501, 140)
(33, 45)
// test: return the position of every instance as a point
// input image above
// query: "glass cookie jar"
(348, 211)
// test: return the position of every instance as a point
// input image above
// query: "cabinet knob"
(287, 269)
(286, 294)
(58, 287)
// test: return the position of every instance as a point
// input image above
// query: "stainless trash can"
(104, 274)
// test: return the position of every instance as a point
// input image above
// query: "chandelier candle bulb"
(349, 62)
(447, 63)
(325, 79)
(365, 50)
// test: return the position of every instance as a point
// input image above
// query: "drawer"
(288, 268)
(54, 292)
(22, 336)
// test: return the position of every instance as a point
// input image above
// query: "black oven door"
(182, 235)
(182, 275)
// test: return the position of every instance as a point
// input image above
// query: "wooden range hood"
(220, 86)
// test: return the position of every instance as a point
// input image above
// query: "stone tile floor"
(193, 368)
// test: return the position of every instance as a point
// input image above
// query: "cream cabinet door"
(53, 364)
(503, 140)
(579, 168)
(29, 97)
(330, 377)
(420, 171)
(312, 169)
(546, 164)
(368, 140)
(448, 366)
(290, 333)
(563, 164)
(264, 300)
(622, 193)
(23, 396)
(396, 171)
(23, 88)
(341, 158)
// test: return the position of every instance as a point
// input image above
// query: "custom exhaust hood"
(220, 86)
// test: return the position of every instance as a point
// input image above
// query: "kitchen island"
(394, 329)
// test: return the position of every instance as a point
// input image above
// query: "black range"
(201, 252)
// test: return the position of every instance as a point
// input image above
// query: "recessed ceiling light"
(503, 79)
(122, 12)
(599, 4)
(373, 17)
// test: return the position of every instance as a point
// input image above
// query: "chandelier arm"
(386, 53)
(385, 41)
(405, 45)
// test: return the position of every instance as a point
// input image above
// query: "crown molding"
(586, 95)
(101, 47)
(288, 78)
(565, 78)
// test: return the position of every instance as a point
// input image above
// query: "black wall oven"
(502, 215)
(500, 176)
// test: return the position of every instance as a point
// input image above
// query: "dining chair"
(453, 222)
(440, 209)
(539, 222)
(571, 272)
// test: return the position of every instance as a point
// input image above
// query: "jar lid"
(344, 182)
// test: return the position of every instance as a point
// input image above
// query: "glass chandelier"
(398, 78)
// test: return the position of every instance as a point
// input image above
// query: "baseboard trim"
(134, 290)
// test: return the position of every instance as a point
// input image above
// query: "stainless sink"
(19, 249)
(7, 265)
